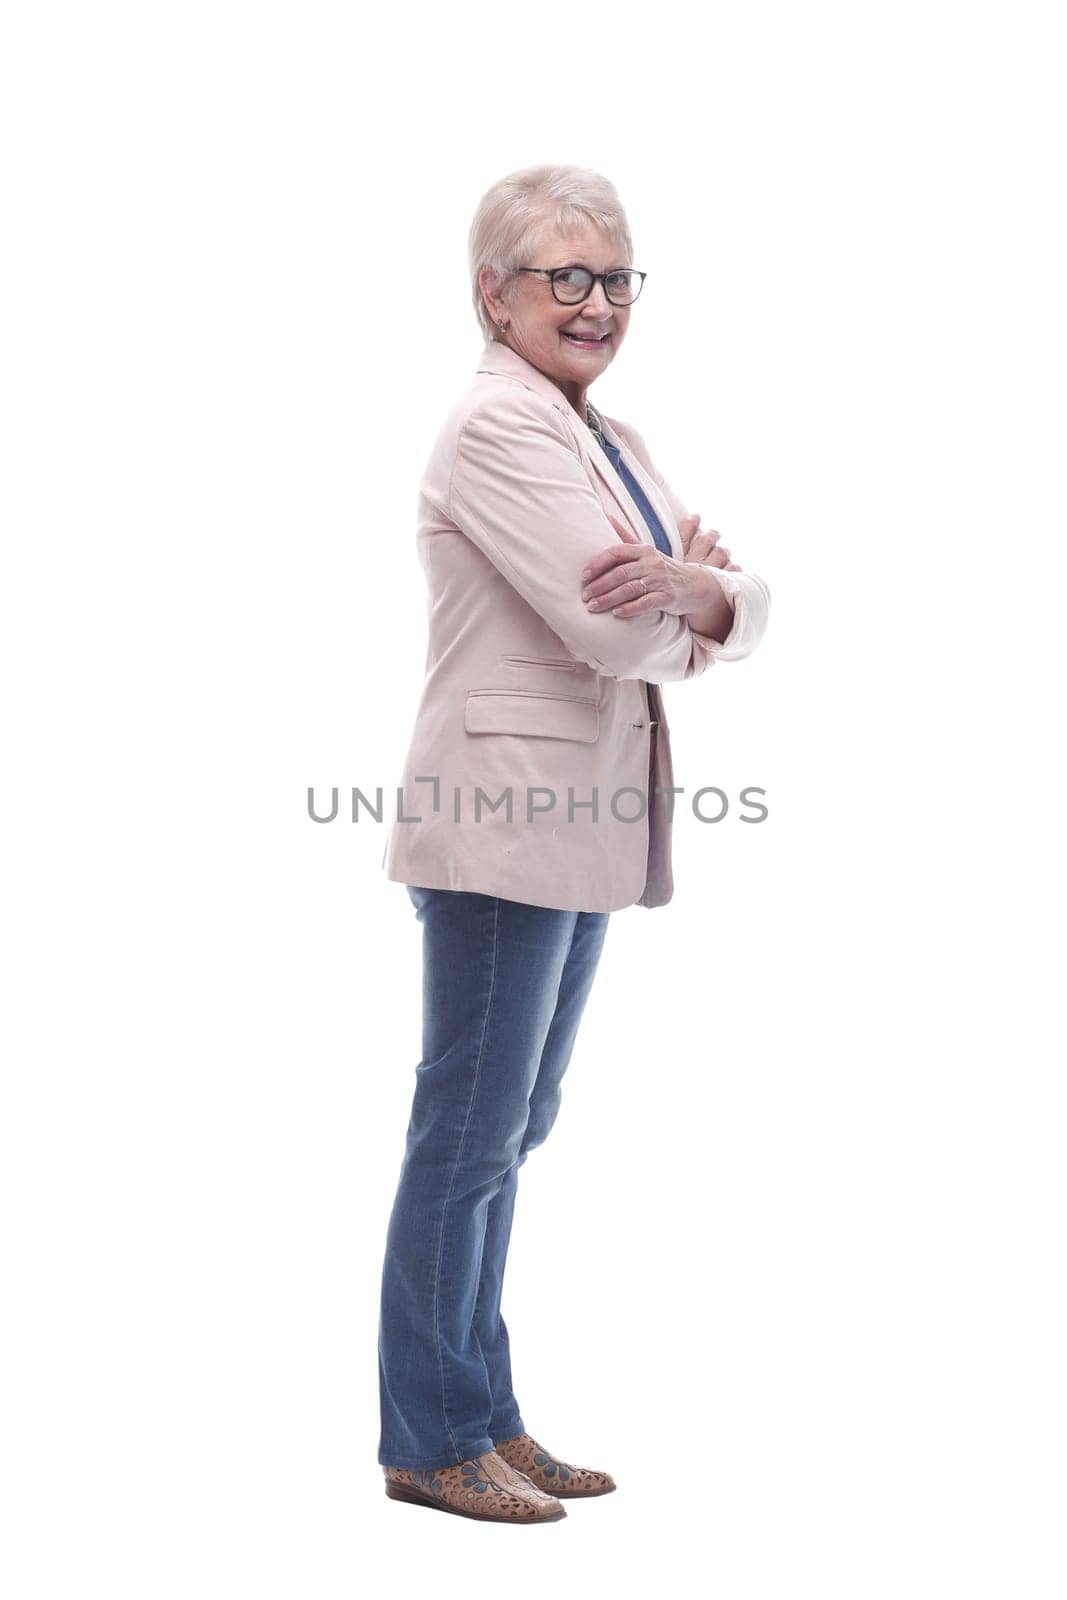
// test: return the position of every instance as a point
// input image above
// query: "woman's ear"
(487, 284)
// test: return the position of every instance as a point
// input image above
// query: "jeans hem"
(434, 1463)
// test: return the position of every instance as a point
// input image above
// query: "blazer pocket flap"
(547, 716)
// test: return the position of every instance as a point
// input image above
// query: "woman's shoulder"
(491, 424)
(497, 406)
(495, 394)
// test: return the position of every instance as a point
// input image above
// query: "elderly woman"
(566, 584)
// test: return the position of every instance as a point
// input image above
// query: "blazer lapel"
(656, 498)
(500, 358)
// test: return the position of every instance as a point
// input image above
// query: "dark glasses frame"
(597, 277)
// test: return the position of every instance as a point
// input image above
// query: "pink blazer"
(533, 772)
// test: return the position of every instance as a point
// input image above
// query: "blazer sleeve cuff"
(752, 600)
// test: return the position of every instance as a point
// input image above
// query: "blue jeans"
(504, 985)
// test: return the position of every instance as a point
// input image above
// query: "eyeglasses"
(571, 285)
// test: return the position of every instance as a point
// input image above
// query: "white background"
(791, 1263)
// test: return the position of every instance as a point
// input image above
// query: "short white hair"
(514, 213)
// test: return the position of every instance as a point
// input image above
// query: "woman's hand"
(704, 546)
(630, 578)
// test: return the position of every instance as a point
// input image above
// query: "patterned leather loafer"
(486, 1487)
(548, 1472)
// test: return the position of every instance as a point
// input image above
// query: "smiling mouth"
(578, 339)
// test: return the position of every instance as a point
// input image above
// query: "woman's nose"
(598, 302)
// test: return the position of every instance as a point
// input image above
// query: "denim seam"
(478, 1291)
(455, 1173)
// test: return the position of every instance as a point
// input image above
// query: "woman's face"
(538, 325)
